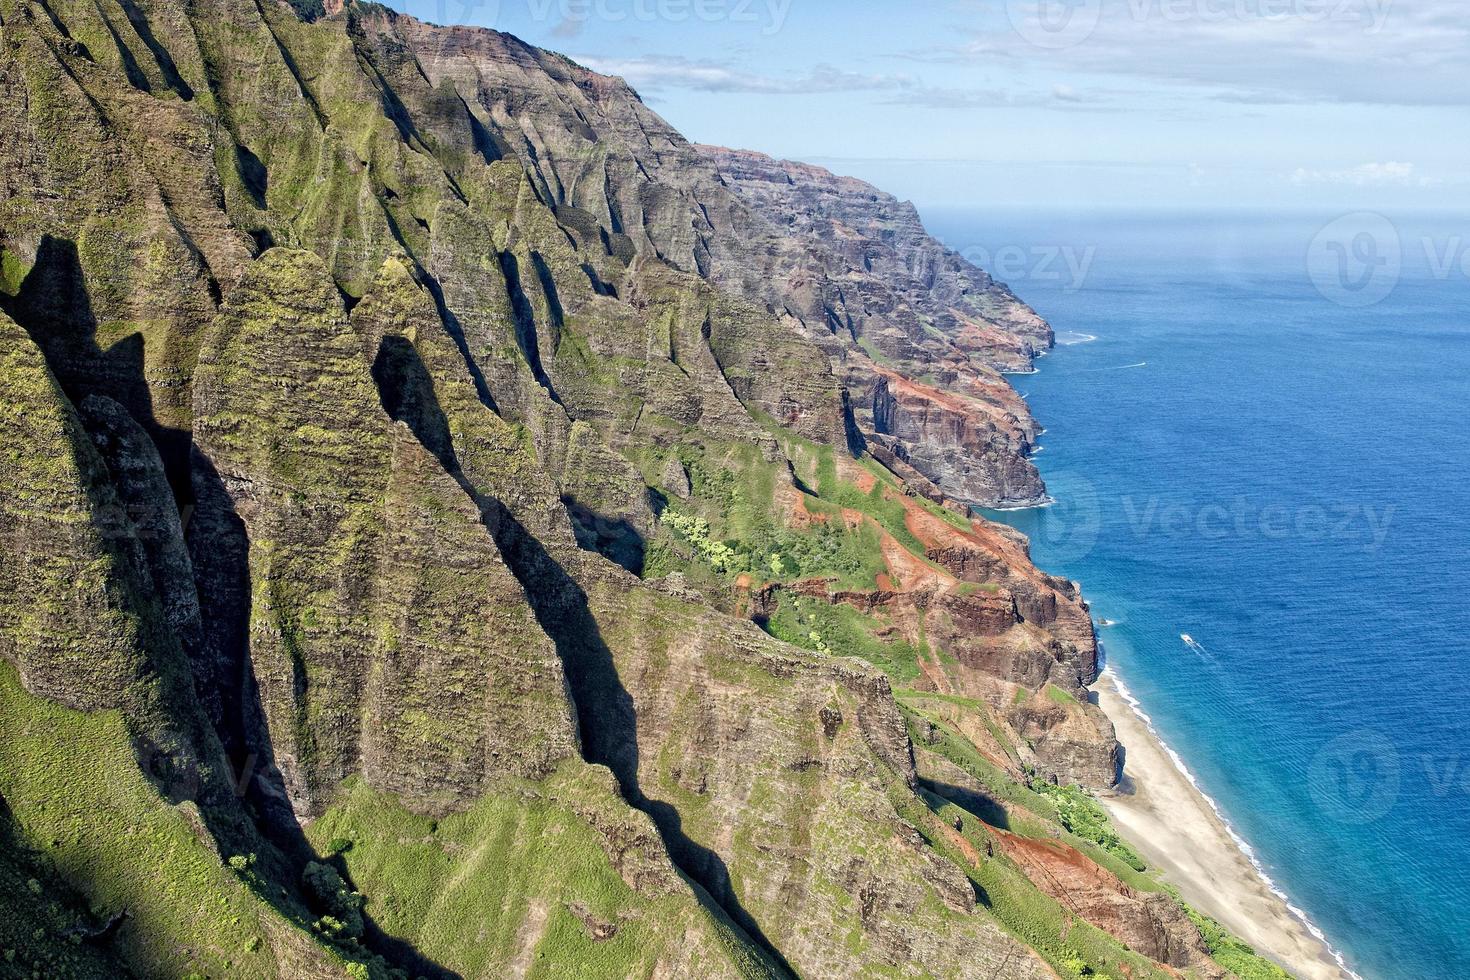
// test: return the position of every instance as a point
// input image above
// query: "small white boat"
(1189, 640)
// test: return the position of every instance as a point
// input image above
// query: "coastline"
(1178, 830)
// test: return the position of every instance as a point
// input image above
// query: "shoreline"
(1180, 831)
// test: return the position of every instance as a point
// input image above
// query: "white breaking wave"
(1042, 504)
(1240, 842)
(1072, 337)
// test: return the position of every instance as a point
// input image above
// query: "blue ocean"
(1258, 438)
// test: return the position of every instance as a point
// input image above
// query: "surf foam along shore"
(1179, 829)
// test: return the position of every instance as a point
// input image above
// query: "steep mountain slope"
(935, 328)
(454, 527)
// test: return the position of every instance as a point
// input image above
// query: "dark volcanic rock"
(339, 354)
(976, 457)
(902, 306)
(72, 618)
(365, 645)
(876, 233)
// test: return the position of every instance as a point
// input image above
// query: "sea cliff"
(454, 526)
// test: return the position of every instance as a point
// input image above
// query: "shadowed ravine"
(453, 526)
(606, 714)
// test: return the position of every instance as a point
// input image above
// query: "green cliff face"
(74, 625)
(450, 526)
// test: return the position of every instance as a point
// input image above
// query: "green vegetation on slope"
(72, 782)
(1059, 696)
(522, 882)
(1034, 810)
(1083, 816)
(12, 272)
(730, 525)
(1234, 955)
(814, 624)
(1042, 811)
(44, 924)
(1072, 946)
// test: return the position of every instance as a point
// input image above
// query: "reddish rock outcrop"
(977, 451)
(1004, 632)
(1150, 923)
(897, 305)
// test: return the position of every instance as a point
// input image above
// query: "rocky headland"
(453, 526)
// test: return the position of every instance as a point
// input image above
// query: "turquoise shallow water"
(1286, 479)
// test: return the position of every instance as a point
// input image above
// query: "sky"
(1078, 104)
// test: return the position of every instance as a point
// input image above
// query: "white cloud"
(655, 72)
(1390, 174)
(1061, 97)
(1384, 52)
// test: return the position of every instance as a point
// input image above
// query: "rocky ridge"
(425, 470)
(920, 334)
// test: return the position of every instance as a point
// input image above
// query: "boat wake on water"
(1197, 647)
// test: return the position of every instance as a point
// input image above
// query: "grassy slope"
(39, 914)
(522, 879)
(100, 826)
(1073, 947)
(468, 891)
(1070, 815)
(734, 492)
(72, 783)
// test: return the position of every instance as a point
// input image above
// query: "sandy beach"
(1175, 829)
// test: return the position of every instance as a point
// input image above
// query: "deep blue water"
(1287, 480)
